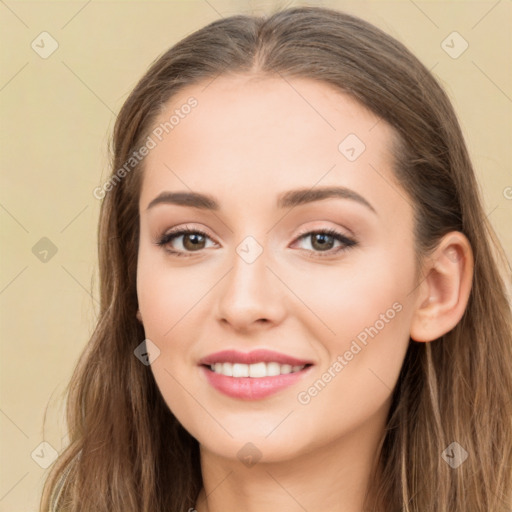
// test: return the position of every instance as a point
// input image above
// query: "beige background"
(57, 114)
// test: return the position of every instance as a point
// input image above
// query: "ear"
(444, 292)
(139, 316)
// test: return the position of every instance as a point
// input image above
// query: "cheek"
(170, 301)
(363, 360)
(166, 295)
(340, 302)
(365, 314)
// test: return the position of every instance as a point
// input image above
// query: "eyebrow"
(287, 199)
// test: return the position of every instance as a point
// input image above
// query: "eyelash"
(348, 242)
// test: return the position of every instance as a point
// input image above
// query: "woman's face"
(269, 330)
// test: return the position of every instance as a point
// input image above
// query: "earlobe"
(139, 316)
(444, 292)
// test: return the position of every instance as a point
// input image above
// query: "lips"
(253, 375)
(256, 356)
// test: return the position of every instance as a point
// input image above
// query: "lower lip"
(252, 388)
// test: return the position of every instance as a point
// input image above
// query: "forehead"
(258, 107)
(269, 133)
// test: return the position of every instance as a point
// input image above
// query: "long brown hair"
(127, 451)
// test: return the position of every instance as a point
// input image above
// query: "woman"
(341, 338)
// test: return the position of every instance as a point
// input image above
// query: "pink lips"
(250, 388)
(256, 356)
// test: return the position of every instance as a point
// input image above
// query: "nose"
(251, 296)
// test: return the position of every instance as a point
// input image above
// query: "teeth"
(227, 369)
(240, 370)
(286, 368)
(273, 369)
(258, 370)
(255, 370)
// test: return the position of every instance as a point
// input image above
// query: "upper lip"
(255, 356)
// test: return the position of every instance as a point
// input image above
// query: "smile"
(255, 370)
(254, 375)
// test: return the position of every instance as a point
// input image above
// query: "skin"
(249, 140)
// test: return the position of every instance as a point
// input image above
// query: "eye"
(193, 240)
(322, 242)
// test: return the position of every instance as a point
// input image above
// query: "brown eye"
(193, 241)
(183, 241)
(322, 242)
